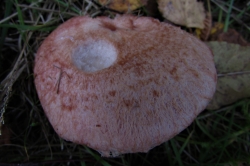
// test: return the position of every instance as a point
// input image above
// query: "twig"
(233, 73)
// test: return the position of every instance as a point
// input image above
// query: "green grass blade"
(28, 27)
(19, 14)
(228, 16)
(204, 130)
(4, 32)
(176, 152)
(97, 157)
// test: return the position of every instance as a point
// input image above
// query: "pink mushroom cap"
(122, 85)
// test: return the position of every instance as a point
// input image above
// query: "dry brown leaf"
(205, 32)
(232, 36)
(188, 13)
(122, 5)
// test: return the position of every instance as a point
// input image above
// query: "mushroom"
(122, 85)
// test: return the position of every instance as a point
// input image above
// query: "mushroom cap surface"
(122, 85)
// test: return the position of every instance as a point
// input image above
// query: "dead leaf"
(232, 62)
(188, 13)
(217, 28)
(232, 36)
(204, 33)
(122, 5)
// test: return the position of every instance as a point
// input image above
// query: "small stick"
(233, 73)
(59, 79)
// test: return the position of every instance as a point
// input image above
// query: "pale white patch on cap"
(94, 56)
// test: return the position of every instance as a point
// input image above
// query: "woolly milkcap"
(122, 85)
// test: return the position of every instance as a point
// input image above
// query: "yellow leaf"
(189, 13)
(217, 27)
(123, 5)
